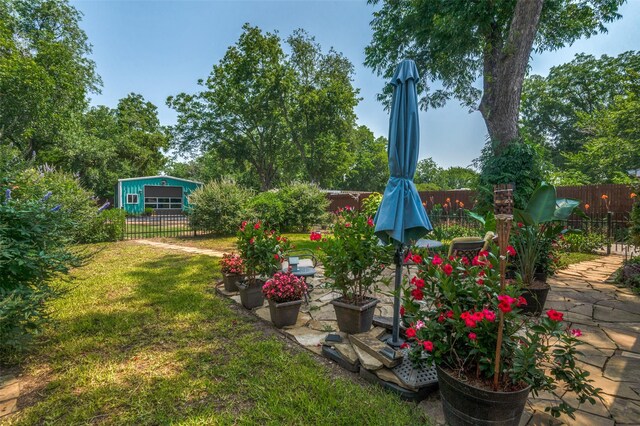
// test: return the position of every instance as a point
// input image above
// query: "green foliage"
(629, 273)
(430, 177)
(519, 163)
(218, 207)
(369, 170)
(371, 204)
(77, 203)
(352, 256)
(270, 208)
(108, 225)
(281, 116)
(447, 232)
(34, 241)
(584, 113)
(582, 243)
(428, 187)
(634, 230)
(305, 206)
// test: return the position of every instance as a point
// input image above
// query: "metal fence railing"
(139, 227)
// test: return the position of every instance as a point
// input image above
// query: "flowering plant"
(231, 264)
(352, 257)
(453, 307)
(284, 287)
(261, 249)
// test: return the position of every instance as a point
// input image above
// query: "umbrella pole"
(395, 340)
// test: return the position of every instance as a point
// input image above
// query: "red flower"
(520, 224)
(416, 258)
(489, 315)
(521, 301)
(449, 314)
(401, 311)
(347, 225)
(511, 251)
(276, 257)
(252, 240)
(465, 260)
(404, 345)
(480, 281)
(256, 226)
(437, 260)
(448, 269)
(244, 224)
(315, 236)
(370, 222)
(472, 336)
(504, 307)
(417, 294)
(554, 315)
(418, 282)
(576, 332)
(427, 345)
(411, 333)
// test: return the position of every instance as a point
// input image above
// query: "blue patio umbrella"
(401, 218)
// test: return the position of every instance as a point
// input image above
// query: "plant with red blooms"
(231, 264)
(352, 256)
(261, 249)
(284, 287)
(452, 310)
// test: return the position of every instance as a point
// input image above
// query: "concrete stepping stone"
(623, 369)
(367, 361)
(377, 349)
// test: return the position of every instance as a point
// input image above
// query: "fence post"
(609, 233)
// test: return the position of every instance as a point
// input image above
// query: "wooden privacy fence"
(596, 199)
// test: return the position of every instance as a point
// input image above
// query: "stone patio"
(607, 315)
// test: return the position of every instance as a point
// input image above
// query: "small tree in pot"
(353, 260)
(261, 250)
(232, 271)
(284, 292)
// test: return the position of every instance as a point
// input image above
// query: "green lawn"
(227, 244)
(141, 338)
(567, 259)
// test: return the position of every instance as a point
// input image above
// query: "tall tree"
(559, 110)
(288, 117)
(45, 74)
(427, 171)
(458, 42)
(369, 170)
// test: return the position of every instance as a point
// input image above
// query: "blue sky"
(161, 48)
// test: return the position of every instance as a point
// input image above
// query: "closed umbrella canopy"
(401, 217)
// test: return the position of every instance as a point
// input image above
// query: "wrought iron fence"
(138, 227)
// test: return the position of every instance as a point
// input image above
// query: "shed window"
(163, 203)
(132, 198)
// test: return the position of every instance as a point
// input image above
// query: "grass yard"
(567, 259)
(228, 244)
(141, 338)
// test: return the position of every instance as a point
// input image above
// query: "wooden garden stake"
(503, 208)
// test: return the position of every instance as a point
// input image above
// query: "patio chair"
(468, 247)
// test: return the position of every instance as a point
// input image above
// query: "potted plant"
(261, 250)
(232, 271)
(353, 261)
(458, 310)
(537, 229)
(284, 292)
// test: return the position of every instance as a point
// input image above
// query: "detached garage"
(162, 194)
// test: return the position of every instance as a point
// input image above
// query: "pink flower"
(489, 315)
(576, 332)
(419, 324)
(472, 336)
(427, 345)
(554, 315)
(437, 260)
(521, 301)
(416, 258)
(448, 269)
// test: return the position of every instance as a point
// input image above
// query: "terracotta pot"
(353, 319)
(251, 293)
(284, 314)
(231, 281)
(466, 405)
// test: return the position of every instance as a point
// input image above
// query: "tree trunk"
(505, 65)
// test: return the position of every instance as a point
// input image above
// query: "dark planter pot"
(536, 298)
(251, 294)
(354, 319)
(466, 405)
(540, 276)
(284, 314)
(231, 281)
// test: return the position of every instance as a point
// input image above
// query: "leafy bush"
(34, 241)
(629, 273)
(107, 225)
(634, 230)
(582, 243)
(305, 205)
(261, 249)
(65, 190)
(370, 204)
(446, 233)
(218, 206)
(270, 208)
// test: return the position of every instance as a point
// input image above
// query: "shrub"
(218, 206)
(370, 204)
(284, 287)
(77, 203)
(305, 205)
(634, 230)
(582, 243)
(107, 225)
(629, 273)
(270, 208)
(261, 249)
(34, 241)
